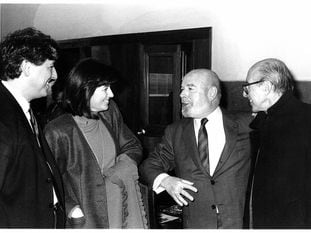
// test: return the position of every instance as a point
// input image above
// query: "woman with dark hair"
(96, 152)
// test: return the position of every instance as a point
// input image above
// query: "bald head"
(207, 77)
(200, 93)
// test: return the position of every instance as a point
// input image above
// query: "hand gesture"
(177, 188)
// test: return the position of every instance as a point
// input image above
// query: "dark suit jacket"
(26, 196)
(282, 178)
(226, 188)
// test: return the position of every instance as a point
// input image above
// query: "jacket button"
(213, 207)
(213, 182)
(49, 180)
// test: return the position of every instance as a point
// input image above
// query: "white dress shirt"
(25, 105)
(216, 136)
(216, 143)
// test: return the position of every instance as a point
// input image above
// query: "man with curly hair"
(31, 190)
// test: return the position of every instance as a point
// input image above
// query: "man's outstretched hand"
(178, 189)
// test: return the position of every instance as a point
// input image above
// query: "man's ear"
(25, 67)
(212, 93)
(268, 87)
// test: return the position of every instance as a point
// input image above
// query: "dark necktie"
(34, 125)
(35, 129)
(203, 144)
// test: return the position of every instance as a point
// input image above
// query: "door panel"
(161, 71)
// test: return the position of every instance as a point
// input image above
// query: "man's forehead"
(193, 80)
(253, 75)
(188, 80)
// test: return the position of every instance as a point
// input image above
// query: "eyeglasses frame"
(244, 86)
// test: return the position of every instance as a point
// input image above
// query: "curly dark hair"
(27, 44)
(81, 83)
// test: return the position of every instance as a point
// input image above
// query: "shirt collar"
(212, 117)
(25, 105)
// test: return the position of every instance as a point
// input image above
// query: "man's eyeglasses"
(246, 85)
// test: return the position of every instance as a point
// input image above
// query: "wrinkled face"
(100, 99)
(194, 96)
(41, 78)
(256, 92)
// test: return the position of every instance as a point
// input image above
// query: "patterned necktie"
(203, 144)
(34, 125)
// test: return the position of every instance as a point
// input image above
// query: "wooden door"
(162, 67)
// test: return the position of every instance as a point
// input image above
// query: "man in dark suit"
(31, 191)
(281, 187)
(211, 160)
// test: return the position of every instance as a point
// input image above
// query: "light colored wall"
(244, 31)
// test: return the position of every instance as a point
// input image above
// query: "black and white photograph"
(155, 114)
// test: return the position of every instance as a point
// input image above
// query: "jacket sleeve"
(58, 146)
(161, 160)
(127, 142)
(4, 168)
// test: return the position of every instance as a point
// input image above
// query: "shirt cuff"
(75, 213)
(157, 182)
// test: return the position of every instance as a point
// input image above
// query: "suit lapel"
(231, 131)
(40, 152)
(190, 144)
(51, 163)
